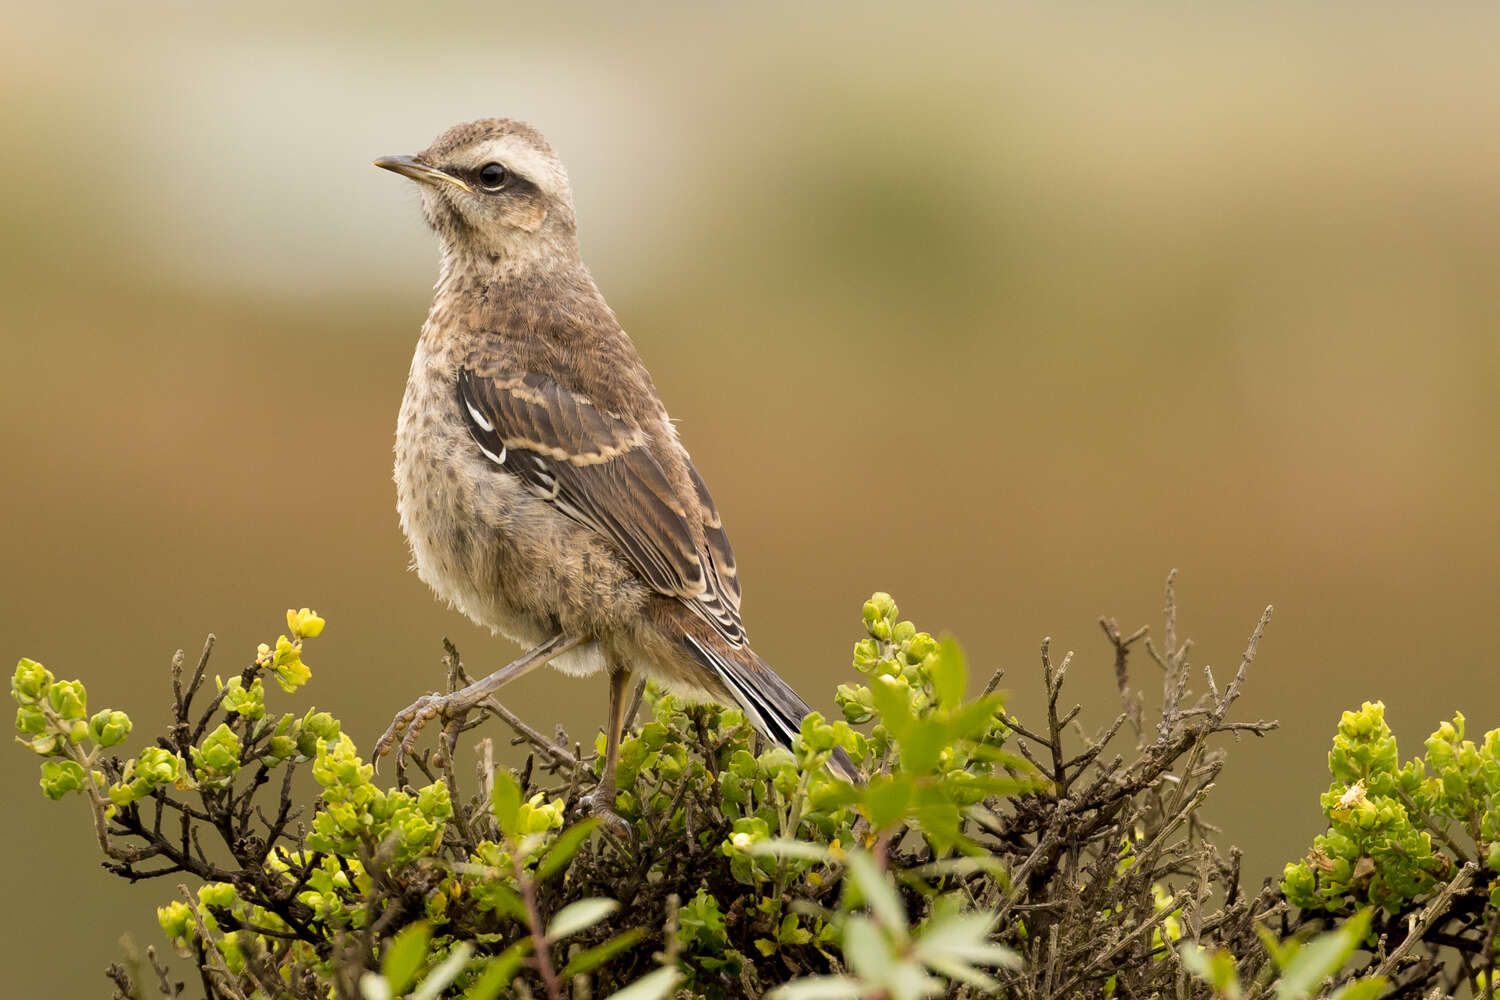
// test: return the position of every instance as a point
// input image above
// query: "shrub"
(984, 854)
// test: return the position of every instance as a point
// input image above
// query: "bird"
(541, 486)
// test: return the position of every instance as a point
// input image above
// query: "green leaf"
(591, 958)
(923, 744)
(653, 986)
(986, 863)
(506, 801)
(1216, 968)
(504, 900)
(405, 955)
(786, 847)
(937, 816)
(579, 916)
(1281, 952)
(893, 701)
(886, 799)
(949, 673)
(988, 785)
(879, 895)
(965, 937)
(1362, 989)
(498, 974)
(866, 950)
(1321, 957)
(962, 971)
(489, 983)
(438, 979)
(567, 844)
(791, 931)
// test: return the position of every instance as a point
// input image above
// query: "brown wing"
(723, 598)
(600, 471)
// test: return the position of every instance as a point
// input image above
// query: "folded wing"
(600, 470)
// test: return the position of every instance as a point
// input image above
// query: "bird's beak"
(410, 166)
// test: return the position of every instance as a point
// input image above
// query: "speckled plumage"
(540, 482)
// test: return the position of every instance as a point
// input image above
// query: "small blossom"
(304, 624)
(109, 728)
(59, 777)
(31, 680)
(68, 699)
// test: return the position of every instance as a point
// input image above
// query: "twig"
(1430, 913)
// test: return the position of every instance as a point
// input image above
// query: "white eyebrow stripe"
(520, 157)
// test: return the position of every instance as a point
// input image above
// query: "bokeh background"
(1006, 311)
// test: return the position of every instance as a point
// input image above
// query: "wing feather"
(599, 470)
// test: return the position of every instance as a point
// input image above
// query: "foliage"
(981, 855)
(1413, 841)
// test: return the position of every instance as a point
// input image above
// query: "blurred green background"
(1007, 312)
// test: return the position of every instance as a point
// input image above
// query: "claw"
(408, 724)
(597, 806)
(409, 721)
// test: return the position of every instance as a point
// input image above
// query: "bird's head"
(494, 192)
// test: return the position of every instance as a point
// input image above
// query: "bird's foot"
(600, 805)
(410, 721)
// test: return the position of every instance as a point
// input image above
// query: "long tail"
(769, 702)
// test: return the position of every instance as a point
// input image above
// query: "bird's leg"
(409, 721)
(601, 801)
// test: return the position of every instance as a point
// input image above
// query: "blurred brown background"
(1007, 313)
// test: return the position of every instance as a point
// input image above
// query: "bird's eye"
(493, 176)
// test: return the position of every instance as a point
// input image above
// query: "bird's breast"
(453, 512)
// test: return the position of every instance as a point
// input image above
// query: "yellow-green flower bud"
(78, 732)
(433, 801)
(219, 754)
(321, 725)
(176, 920)
(921, 646)
(109, 727)
(234, 958)
(537, 815)
(31, 680)
(282, 748)
(68, 699)
(903, 632)
(817, 735)
(249, 702)
(286, 663)
(59, 777)
(880, 606)
(337, 764)
(47, 744)
(747, 832)
(157, 766)
(304, 624)
(30, 721)
(220, 894)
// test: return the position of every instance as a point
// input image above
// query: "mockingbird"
(540, 483)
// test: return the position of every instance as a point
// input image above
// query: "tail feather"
(773, 708)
